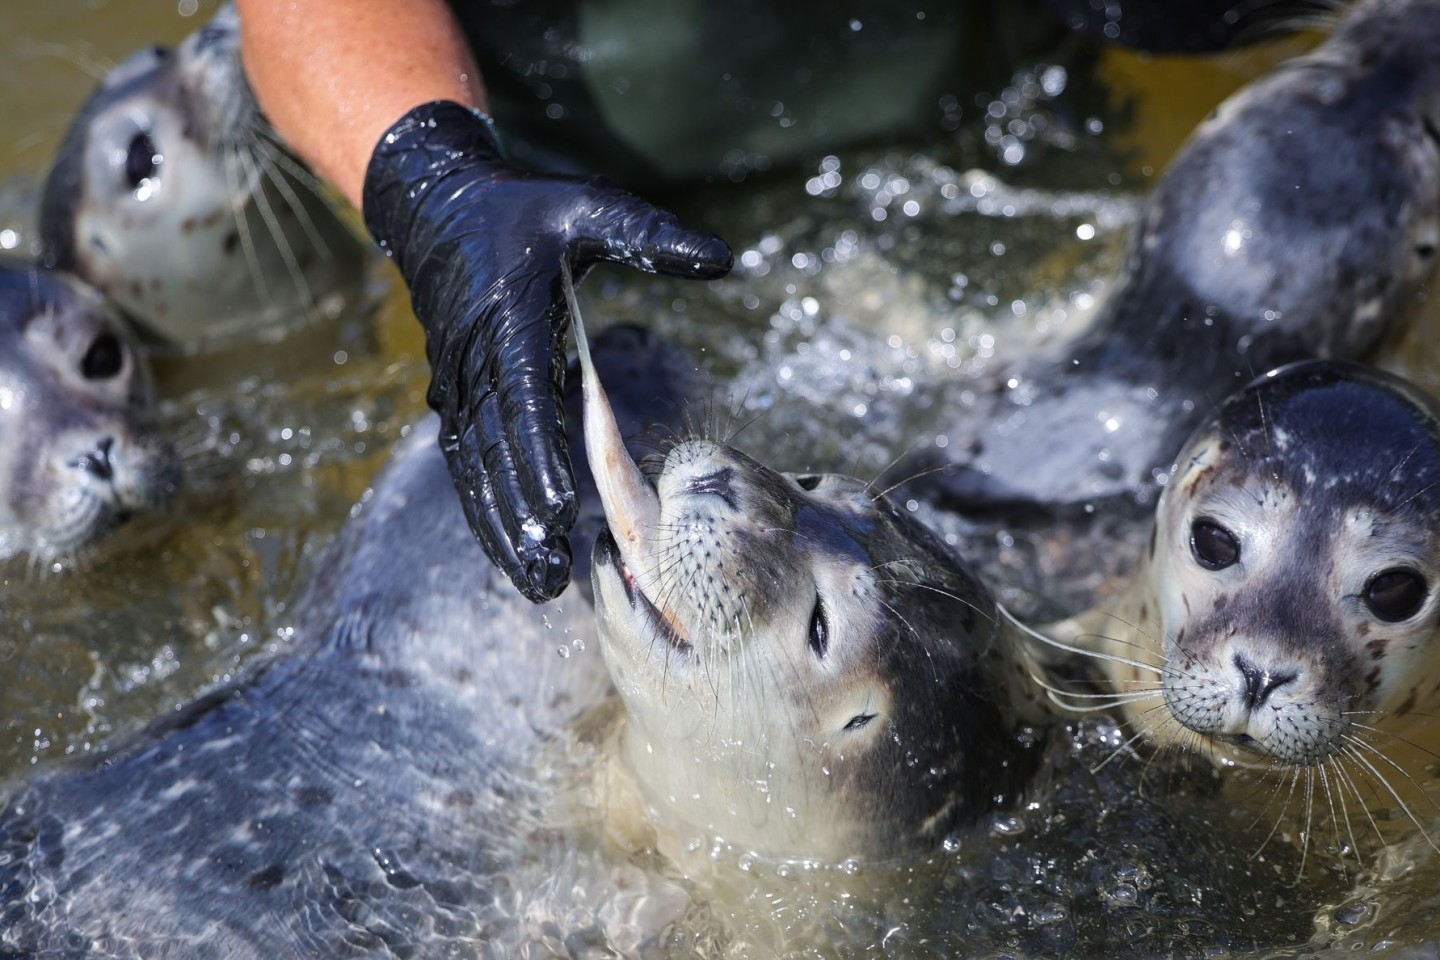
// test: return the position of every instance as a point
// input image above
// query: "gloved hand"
(480, 244)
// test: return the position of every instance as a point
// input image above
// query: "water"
(871, 289)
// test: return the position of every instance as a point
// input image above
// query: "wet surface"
(871, 290)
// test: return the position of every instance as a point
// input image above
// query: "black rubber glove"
(480, 244)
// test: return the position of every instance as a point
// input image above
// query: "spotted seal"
(1287, 603)
(765, 631)
(171, 195)
(1300, 220)
(370, 789)
(390, 784)
(78, 447)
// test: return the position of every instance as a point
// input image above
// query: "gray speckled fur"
(360, 796)
(1325, 177)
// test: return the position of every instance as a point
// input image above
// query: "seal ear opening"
(859, 722)
(819, 630)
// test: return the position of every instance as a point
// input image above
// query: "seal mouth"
(607, 554)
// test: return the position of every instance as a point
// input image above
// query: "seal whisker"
(261, 139)
(277, 232)
(1124, 747)
(1359, 797)
(1397, 738)
(1280, 816)
(93, 66)
(1320, 770)
(1385, 782)
(937, 468)
(944, 593)
(270, 171)
(242, 229)
(1341, 780)
(1054, 696)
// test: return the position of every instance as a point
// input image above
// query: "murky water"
(869, 289)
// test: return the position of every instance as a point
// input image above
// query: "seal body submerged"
(170, 194)
(382, 789)
(1301, 220)
(79, 450)
(376, 790)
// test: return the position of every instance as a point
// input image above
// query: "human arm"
(479, 242)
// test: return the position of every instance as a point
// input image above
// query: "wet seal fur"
(1288, 603)
(1301, 220)
(379, 789)
(171, 195)
(79, 451)
(361, 789)
(806, 671)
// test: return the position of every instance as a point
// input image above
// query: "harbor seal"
(172, 196)
(79, 451)
(1286, 605)
(806, 670)
(389, 785)
(1301, 220)
(376, 787)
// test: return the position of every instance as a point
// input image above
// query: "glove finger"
(622, 228)
(533, 503)
(482, 511)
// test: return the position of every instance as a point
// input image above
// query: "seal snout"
(98, 461)
(1261, 681)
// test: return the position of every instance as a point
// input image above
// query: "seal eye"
(819, 630)
(141, 159)
(1214, 547)
(1395, 595)
(104, 358)
(808, 482)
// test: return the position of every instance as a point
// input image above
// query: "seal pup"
(172, 196)
(1300, 220)
(389, 785)
(377, 787)
(79, 451)
(1286, 608)
(806, 671)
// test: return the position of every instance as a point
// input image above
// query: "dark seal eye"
(808, 482)
(1215, 548)
(104, 358)
(819, 630)
(141, 159)
(1395, 595)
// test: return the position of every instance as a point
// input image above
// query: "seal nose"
(720, 483)
(1260, 682)
(98, 462)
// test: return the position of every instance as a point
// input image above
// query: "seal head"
(170, 194)
(1290, 597)
(79, 451)
(806, 671)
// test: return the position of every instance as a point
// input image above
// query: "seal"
(172, 196)
(806, 671)
(390, 784)
(1301, 220)
(79, 451)
(1287, 603)
(372, 789)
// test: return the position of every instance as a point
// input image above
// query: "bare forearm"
(333, 75)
